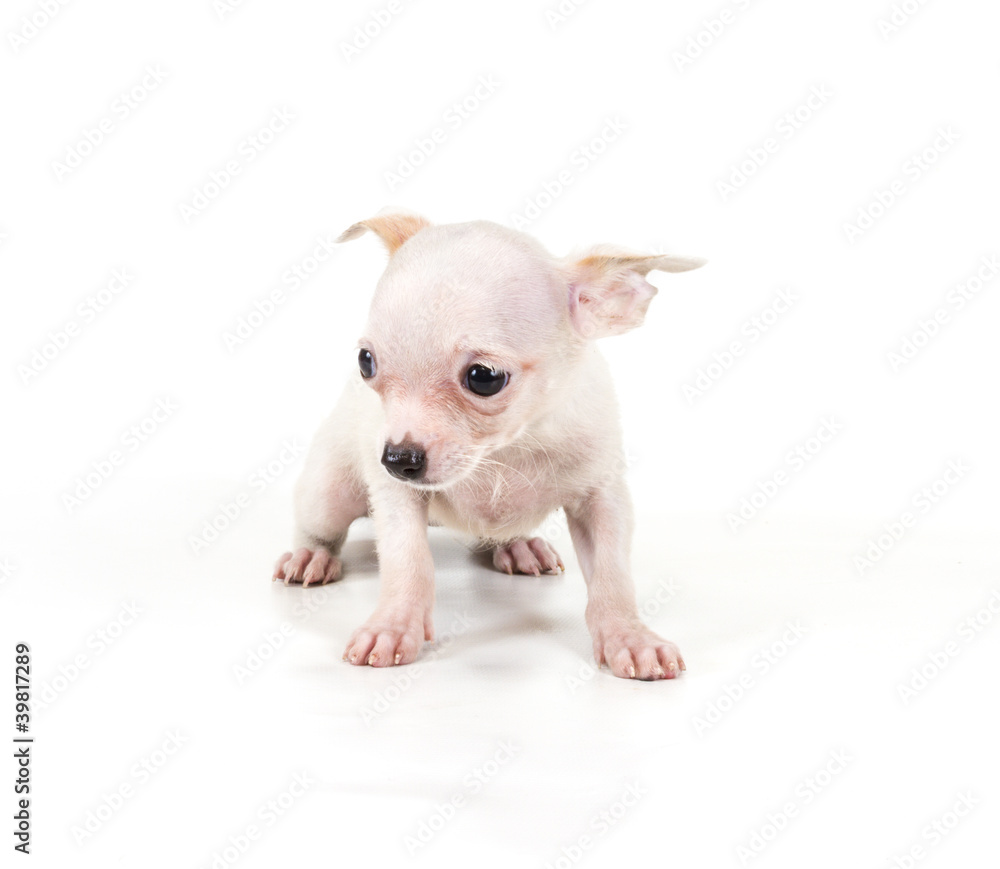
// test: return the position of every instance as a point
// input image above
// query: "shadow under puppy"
(482, 403)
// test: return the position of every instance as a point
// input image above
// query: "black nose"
(405, 461)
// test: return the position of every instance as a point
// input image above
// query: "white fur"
(452, 296)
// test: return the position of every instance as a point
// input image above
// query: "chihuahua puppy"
(481, 402)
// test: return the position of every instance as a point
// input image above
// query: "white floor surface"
(191, 713)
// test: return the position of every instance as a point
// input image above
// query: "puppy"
(481, 402)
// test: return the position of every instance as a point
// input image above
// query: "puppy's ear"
(394, 228)
(608, 293)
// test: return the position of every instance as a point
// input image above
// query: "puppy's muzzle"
(405, 461)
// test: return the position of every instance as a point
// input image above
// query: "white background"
(689, 116)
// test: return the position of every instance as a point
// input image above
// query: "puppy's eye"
(366, 362)
(483, 380)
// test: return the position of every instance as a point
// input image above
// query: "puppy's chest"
(498, 501)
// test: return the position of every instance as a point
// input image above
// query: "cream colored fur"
(496, 466)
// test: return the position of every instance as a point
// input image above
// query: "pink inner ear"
(574, 299)
(582, 314)
(575, 313)
(610, 305)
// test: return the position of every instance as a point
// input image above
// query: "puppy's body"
(413, 441)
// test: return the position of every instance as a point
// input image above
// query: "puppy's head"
(475, 331)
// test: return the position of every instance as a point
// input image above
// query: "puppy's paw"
(389, 638)
(633, 651)
(533, 556)
(308, 567)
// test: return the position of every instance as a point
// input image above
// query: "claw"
(633, 651)
(308, 567)
(532, 557)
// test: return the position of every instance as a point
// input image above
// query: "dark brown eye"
(366, 362)
(483, 380)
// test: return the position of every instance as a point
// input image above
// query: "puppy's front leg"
(601, 527)
(402, 619)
